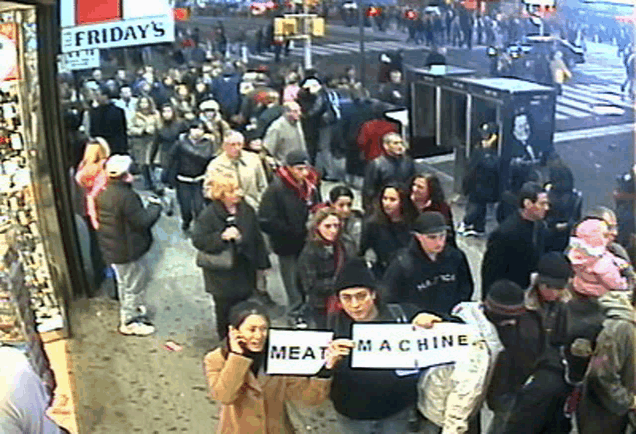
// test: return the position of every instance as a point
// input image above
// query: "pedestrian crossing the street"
(583, 100)
(346, 48)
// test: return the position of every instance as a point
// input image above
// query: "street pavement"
(129, 384)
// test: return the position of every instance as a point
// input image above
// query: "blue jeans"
(398, 423)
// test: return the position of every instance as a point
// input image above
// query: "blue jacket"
(226, 92)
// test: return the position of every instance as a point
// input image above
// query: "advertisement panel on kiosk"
(523, 111)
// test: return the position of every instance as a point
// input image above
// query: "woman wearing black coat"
(388, 229)
(228, 222)
(322, 257)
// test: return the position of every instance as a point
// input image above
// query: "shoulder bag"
(222, 261)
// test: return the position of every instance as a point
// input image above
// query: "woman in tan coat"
(254, 402)
(143, 128)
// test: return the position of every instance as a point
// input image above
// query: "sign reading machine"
(297, 352)
(401, 346)
(116, 23)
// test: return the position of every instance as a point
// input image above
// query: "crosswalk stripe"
(261, 57)
(337, 48)
(561, 117)
(578, 97)
(570, 111)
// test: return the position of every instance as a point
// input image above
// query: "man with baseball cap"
(429, 273)
(124, 238)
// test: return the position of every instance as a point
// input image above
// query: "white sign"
(141, 31)
(403, 346)
(297, 352)
(85, 59)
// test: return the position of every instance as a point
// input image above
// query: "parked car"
(536, 45)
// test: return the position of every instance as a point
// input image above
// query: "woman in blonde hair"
(229, 223)
(143, 127)
(91, 177)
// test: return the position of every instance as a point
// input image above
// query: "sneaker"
(169, 206)
(136, 328)
(142, 310)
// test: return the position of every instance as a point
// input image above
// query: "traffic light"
(318, 26)
(374, 11)
(411, 14)
(181, 14)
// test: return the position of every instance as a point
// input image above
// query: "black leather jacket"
(384, 170)
(192, 158)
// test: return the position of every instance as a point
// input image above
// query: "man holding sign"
(369, 400)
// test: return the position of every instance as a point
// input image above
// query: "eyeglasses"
(360, 297)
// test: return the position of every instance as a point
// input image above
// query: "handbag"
(216, 261)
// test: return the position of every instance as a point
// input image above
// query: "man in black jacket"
(124, 238)
(481, 183)
(190, 157)
(283, 214)
(394, 166)
(514, 248)
(370, 400)
(109, 121)
(429, 273)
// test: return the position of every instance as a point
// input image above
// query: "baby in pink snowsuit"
(596, 270)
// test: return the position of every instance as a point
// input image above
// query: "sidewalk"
(128, 384)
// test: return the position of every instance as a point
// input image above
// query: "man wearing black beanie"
(370, 400)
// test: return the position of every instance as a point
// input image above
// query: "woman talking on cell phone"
(254, 402)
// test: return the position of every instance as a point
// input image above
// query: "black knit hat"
(354, 274)
(554, 270)
(505, 298)
(297, 157)
(430, 222)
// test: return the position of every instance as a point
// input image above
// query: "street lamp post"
(363, 60)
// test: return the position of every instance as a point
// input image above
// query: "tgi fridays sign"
(88, 24)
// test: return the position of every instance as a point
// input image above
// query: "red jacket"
(370, 137)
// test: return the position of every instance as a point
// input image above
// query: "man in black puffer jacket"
(283, 215)
(124, 238)
(429, 273)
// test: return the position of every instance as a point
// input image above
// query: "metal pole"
(307, 35)
(363, 60)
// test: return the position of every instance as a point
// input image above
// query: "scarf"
(339, 257)
(304, 190)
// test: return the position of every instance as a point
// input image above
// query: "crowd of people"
(245, 154)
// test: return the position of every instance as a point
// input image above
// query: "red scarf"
(339, 257)
(304, 190)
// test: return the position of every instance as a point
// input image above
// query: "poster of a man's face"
(521, 128)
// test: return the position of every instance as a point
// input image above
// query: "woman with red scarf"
(321, 259)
